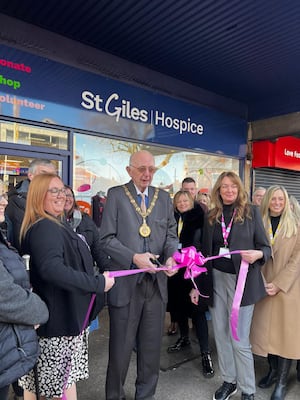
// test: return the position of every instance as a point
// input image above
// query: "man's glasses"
(3, 196)
(143, 169)
(55, 191)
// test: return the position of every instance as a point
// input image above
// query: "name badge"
(225, 251)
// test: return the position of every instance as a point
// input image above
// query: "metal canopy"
(246, 50)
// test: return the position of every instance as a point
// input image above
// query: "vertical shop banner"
(38, 89)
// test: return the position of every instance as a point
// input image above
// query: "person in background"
(18, 305)
(189, 184)
(189, 229)
(258, 195)
(84, 225)
(204, 198)
(276, 322)
(138, 229)
(62, 274)
(17, 196)
(233, 224)
(295, 207)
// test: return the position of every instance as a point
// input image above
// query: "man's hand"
(170, 263)
(143, 260)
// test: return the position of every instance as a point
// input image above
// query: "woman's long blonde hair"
(34, 210)
(288, 222)
(241, 204)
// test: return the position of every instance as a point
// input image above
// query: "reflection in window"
(13, 132)
(100, 163)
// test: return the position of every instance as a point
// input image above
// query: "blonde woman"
(189, 229)
(204, 198)
(276, 322)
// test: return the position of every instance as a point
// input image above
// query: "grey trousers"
(235, 357)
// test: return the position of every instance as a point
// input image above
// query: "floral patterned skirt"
(62, 362)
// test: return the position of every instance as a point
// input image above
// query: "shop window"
(100, 163)
(14, 132)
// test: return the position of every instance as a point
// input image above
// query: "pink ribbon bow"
(193, 261)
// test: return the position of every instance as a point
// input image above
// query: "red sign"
(284, 153)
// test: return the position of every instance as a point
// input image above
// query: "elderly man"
(258, 195)
(138, 228)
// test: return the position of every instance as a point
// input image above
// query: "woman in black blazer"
(233, 224)
(61, 272)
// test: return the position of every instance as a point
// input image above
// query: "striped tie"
(143, 203)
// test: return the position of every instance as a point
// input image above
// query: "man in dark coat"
(18, 194)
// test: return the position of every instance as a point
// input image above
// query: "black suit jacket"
(244, 236)
(62, 274)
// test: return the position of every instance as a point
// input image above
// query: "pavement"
(180, 376)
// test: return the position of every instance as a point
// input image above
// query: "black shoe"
(225, 391)
(207, 365)
(179, 345)
(279, 392)
(268, 380)
(247, 396)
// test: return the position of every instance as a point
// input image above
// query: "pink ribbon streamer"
(84, 325)
(193, 261)
(236, 303)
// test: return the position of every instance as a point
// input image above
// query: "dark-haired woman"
(233, 224)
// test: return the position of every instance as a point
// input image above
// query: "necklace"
(144, 229)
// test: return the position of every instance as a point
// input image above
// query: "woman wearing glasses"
(61, 272)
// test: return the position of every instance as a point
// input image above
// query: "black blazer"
(244, 236)
(62, 274)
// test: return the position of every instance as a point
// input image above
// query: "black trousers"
(4, 392)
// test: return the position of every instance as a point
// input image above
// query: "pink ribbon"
(236, 303)
(193, 261)
(84, 325)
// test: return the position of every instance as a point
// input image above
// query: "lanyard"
(226, 231)
(271, 236)
(180, 225)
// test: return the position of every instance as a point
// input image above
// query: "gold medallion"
(145, 230)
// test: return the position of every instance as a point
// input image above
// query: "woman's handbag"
(19, 350)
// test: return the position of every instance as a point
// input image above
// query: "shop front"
(277, 162)
(89, 125)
